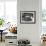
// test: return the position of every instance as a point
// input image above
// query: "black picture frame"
(27, 17)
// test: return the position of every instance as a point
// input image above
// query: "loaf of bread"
(13, 29)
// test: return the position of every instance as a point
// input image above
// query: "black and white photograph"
(27, 17)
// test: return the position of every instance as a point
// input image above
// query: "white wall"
(29, 31)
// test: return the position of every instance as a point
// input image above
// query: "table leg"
(1, 36)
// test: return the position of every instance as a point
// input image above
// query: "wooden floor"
(2, 43)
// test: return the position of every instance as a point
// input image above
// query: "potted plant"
(1, 22)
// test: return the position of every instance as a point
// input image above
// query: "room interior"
(22, 22)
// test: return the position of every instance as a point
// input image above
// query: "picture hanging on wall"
(27, 17)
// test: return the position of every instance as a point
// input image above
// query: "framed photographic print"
(27, 17)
